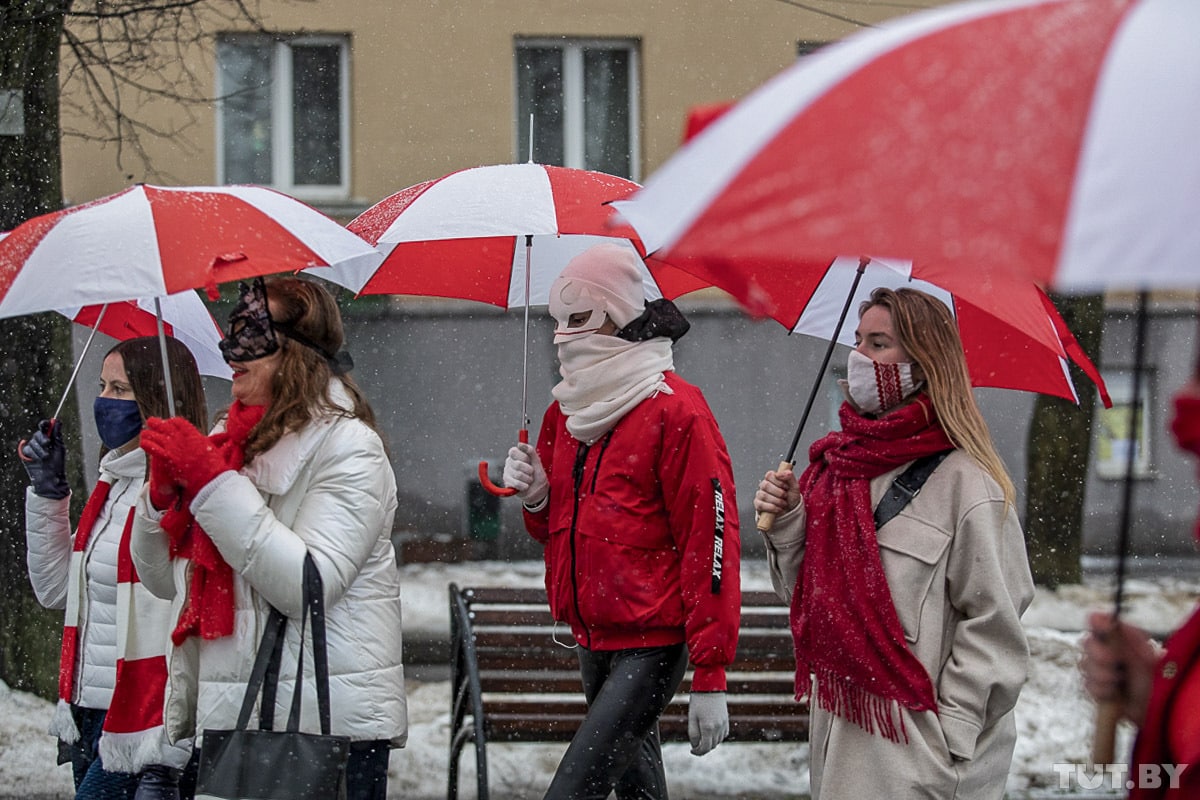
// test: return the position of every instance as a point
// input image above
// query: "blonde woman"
(908, 635)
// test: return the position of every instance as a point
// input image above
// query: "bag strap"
(906, 486)
(265, 673)
(314, 606)
(264, 676)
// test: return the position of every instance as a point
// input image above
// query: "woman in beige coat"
(908, 637)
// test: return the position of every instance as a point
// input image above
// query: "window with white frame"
(578, 98)
(1114, 436)
(283, 113)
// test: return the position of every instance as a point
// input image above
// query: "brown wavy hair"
(142, 357)
(929, 333)
(300, 386)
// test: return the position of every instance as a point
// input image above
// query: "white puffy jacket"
(327, 490)
(49, 539)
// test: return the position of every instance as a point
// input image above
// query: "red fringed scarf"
(844, 622)
(70, 640)
(209, 608)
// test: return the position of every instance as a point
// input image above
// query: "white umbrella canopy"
(184, 317)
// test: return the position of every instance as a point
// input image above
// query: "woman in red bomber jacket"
(631, 492)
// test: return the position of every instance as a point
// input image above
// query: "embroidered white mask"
(874, 387)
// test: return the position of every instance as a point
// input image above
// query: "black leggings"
(617, 746)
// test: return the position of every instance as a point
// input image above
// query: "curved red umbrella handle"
(486, 481)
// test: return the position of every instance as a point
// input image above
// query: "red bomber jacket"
(641, 532)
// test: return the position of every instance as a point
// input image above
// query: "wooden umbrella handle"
(766, 520)
(1108, 714)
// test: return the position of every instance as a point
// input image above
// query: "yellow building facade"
(342, 104)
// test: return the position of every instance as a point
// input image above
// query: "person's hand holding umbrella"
(44, 457)
(523, 472)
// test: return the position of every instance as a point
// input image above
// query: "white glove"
(523, 471)
(708, 721)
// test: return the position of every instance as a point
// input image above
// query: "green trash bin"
(483, 513)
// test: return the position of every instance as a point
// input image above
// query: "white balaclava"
(603, 281)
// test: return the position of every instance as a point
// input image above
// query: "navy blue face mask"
(117, 421)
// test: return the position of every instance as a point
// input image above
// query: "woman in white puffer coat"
(115, 633)
(295, 469)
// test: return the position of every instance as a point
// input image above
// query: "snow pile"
(1054, 718)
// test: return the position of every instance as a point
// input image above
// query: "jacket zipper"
(580, 467)
(577, 475)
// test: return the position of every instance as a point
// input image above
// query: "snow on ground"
(1054, 718)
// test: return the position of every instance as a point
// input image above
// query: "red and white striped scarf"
(68, 663)
(133, 727)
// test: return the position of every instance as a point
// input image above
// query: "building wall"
(433, 86)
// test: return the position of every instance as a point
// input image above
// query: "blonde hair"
(926, 330)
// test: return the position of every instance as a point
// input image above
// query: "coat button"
(1170, 670)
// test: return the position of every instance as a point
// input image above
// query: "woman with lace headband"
(295, 468)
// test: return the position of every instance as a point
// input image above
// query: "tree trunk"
(36, 357)
(1058, 455)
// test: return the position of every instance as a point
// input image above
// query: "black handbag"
(266, 764)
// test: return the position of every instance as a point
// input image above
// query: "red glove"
(164, 493)
(186, 457)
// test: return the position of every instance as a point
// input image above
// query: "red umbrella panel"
(1047, 138)
(1032, 357)
(152, 241)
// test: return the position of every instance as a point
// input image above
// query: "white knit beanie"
(604, 280)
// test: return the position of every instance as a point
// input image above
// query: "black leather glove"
(158, 782)
(45, 459)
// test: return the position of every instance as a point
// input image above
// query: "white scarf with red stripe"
(133, 735)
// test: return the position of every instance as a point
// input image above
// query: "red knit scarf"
(209, 608)
(70, 640)
(844, 623)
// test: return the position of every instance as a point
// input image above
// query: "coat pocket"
(910, 551)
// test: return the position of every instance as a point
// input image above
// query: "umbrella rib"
(79, 362)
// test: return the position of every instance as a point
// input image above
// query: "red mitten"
(163, 490)
(190, 458)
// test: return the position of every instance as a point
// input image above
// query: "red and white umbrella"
(500, 235)
(465, 235)
(1047, 137)
(999, 354)
(152, 241)
(184, 317)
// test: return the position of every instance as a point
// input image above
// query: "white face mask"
(876, 387)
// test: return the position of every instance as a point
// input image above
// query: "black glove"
(158, 782)
(45, 459)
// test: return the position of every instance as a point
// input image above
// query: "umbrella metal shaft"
(1139, 358)
(79, 363)
(525, 347)
(816, 387)
(162, 346)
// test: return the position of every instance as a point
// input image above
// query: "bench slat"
(530, 685)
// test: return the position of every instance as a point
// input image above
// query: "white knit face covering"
(604, 377)
(874, 387)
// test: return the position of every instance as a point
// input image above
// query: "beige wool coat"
(959, 576)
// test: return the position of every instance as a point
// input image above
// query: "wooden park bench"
(510, 681)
